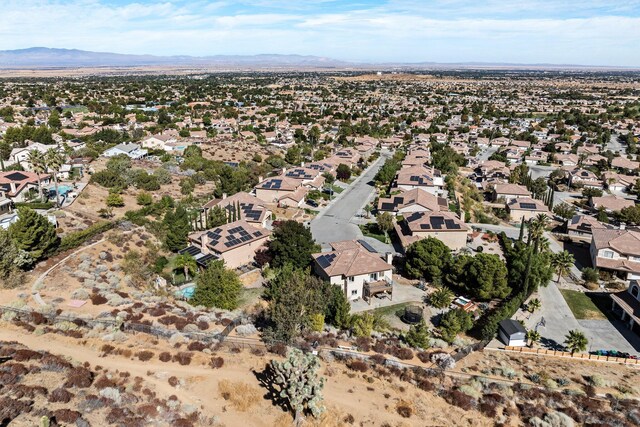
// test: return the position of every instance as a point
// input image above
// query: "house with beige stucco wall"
(444, 226)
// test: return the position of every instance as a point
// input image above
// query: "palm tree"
(576, 341)
(187, 263)
(368, 209)
(533, 337)
(534, 305)
(562, 263)
(36, 159)
(54, 161)
(441, 298)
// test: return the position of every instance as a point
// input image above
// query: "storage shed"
(512, 333)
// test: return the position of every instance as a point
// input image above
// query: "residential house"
(159, 141)
(128, 149)
(272, 189)
(16, 184)
(617, 251)
(582, 226)
(235, 243)
(356, 268)
(428, 179)
(567, 159)
(508, 192)
(417, 200)
(626, 304)
(610, 203)
(623, 163)
(308, 177)
(527, 208)
(252, 209)
(444, 226)
(584, 178)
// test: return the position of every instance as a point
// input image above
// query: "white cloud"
(400, 30)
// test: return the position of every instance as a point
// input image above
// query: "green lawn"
(582, 305)
(337, 189)
(371, 230)
(250, 296)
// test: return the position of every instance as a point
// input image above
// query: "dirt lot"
(233, 392)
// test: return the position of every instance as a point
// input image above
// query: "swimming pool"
(62, 190)
(187, 292)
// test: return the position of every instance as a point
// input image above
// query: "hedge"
(77, 238)
(35, 205)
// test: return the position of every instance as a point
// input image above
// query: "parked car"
(312, 203)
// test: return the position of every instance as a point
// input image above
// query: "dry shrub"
(156, 311)
(459, 399)
(107, 349)
(24, 325)
(379, 347)
(147, 411)
(23, 355)
(180, 323)
(66, 416)
(79, 377)
(168, 320)
(225, 322)
(348, 419)
(165, 356)
(97, 299)
(125, 352)
(529, 410)
(103, 382)
(279, 349)
(196, 346)
(145, 355)
(182, 358)
(426, 385)
(404, 409)
(202, 325)
(16, 369)
(364, 343)
(60, 395)
(258, 352)
(403, 353)
(173, 381)
(11, 408)
(424, 357)
(182, 422)
(54, 363)
(38, 318)
(242, 396)
(216, 362)
(358, 365)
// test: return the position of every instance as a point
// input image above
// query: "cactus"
(300, 386)
(44, 421)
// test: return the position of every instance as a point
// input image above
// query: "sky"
(586, 32)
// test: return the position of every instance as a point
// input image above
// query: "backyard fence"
(565, 354)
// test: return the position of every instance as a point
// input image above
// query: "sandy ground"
(371, 403)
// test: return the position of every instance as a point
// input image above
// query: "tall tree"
(562, 263)
(54, 161)
(34, 234)
(38, 165)
(217, 287)
(187, 263)
(216, 217)
(537, 228)
(291, 242)
(177, 225)
(427, 258)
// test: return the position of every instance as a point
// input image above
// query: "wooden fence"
(565, 354)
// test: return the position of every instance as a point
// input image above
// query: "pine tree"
(521, 236)
(338, 310)
(418, 335)
(177, 225)
(34, 234)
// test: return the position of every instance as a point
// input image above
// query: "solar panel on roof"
(367, 246)
(387, 206)
(425, 226)
(527, 205)
(257, 233)
(437, 222)
(16, 176)
(451, 224)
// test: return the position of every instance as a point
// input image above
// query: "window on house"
(351, 279)
(634, 291)
(354, 292)
(608, 254)
(373, 276)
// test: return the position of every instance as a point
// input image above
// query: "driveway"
(401, 294)
(335, 222)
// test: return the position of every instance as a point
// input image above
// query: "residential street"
(335, 222)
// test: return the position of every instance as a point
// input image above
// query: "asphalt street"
(335, 222)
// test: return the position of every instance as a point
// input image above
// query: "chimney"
(203, 243)
(224, 196)
(260, 178)
(284, 170)
(388, 257)
(302, 164)
(623, 226)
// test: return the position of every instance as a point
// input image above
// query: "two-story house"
(617, 251)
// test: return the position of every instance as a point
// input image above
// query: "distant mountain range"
(43, 58)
